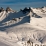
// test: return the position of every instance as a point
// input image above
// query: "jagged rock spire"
(8, 9)
(1, 9)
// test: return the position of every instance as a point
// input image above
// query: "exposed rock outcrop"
(9, 9)
(1, 9)
(26, 10)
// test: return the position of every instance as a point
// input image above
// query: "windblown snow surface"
(16, 28)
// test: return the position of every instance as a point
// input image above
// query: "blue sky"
(17, 4)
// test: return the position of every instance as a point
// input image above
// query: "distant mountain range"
(17, 27)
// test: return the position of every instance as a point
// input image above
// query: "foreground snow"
(22, 33)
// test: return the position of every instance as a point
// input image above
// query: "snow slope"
(16, 28)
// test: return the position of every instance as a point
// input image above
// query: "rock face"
(26, 10)
(36, 16)
(8, 9)
(1, 9)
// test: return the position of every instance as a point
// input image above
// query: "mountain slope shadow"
(26, 19)
(10, 16)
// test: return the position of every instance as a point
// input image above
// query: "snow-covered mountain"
(16, 28)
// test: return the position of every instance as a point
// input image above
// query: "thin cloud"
(19, 1)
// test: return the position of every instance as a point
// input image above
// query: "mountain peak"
(1, 9)
(9, 9)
